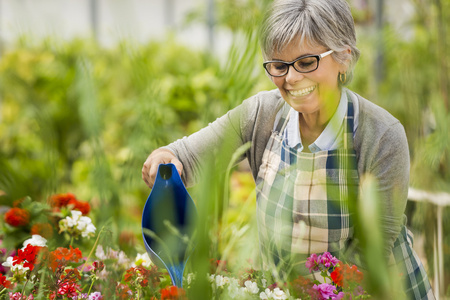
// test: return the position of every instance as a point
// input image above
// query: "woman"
(311, 141)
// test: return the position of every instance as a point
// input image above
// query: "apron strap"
(282, 123)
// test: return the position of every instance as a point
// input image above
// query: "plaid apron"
(303, 208)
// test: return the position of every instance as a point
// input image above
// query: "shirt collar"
(328, 136)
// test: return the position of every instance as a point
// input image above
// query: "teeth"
(302, 92)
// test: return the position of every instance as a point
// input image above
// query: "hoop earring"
(343, 78)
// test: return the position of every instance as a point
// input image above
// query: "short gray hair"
(328, 23)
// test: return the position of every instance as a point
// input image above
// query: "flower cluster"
(173, 293)
(344, 276)
(17, 217)
(69, 200)
(344, 280)
(38, 267)
(77, 225)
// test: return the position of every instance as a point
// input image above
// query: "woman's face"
(310, 92)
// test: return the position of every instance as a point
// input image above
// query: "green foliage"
(80, 118)
(414, 88)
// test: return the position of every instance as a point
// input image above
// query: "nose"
(293, 76)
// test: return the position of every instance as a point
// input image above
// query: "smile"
(302, 92)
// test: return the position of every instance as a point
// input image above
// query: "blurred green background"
(77, 116)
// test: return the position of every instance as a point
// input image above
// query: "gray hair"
(328, 23)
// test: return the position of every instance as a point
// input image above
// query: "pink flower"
(312, 263)
(70, 289)
(328, 260)
(326, 289)
(96, 296)
(19, 296)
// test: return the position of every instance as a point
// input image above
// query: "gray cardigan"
(380, 143)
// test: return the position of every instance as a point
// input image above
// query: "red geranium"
(17, 217)
(27, 256)
(344, 275)
(61, 256)
(4, 282)
(82, 206)
(172, 293)
(67, 285)
(61, 200)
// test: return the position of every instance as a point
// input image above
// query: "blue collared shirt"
(331, 137)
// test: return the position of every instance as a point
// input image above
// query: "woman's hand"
(157, 157)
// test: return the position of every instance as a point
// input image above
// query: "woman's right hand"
(157, 157)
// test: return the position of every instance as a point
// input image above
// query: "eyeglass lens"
(303, 65)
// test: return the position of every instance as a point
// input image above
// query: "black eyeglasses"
(304, 64)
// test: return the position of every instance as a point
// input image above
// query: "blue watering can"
(168, 223)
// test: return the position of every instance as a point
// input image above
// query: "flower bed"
(41, 270)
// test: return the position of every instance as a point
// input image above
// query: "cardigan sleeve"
(382, 150)
(220, 138)
(252, 121)
(390, 165)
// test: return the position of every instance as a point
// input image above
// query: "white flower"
(143, 259)
(100, 253)
(190, 277)
(267, 294)
(36, 240)
(264, 282)
(220, 281)
(122, 258)
(17, 269)
(236, 292)
(78, 224)
(251, 287)
(278, 294)
(8, 262)
(226, 280)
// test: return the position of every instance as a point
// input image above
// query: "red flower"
(17, 217)
(19, 296)
(61, 200)
(63, 255)
(82, 206)
(345, 275)
(4, 282)
(138, 274)
(43, 229)
(67, 284)
(172, 293)
(70, 289)
(28, 256)
(98, 266)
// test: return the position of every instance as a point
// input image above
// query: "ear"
(348, 53)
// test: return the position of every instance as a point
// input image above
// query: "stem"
(92, 250)
(23, 289)
(71, 240)
(92, 284)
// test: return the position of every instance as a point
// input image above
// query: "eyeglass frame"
(292, 63)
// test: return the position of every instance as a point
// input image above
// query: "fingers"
(178, 165)
(157, 157)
